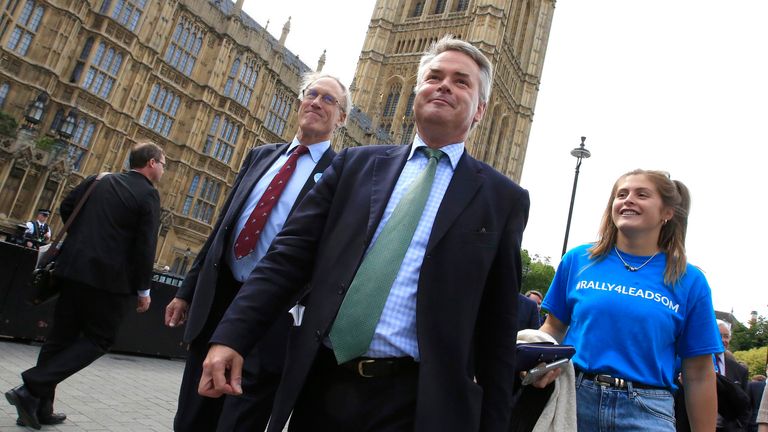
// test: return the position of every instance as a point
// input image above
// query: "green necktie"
(360, 311)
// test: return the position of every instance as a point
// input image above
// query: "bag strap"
(51, 253)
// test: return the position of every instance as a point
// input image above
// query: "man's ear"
(479, 113)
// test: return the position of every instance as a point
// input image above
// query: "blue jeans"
(608, 409)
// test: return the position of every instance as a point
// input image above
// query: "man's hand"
(176, 312)
(143, 304)
(546, 379)
(222, 372)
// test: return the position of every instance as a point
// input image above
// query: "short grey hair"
(450, 43)
(310, 78)
(725, 324)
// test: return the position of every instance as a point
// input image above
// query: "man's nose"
(445, 86)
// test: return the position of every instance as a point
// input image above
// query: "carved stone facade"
(512, 33)
(206, 82)
(199, 77)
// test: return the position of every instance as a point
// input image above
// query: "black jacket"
(111, 244)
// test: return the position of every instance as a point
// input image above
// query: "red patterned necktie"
(249, 236)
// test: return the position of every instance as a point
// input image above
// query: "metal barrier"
(140, 333)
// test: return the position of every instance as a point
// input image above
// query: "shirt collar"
(316, 150)
(454, 151)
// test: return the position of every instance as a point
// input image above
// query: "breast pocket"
(483, 239)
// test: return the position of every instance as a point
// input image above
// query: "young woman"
(631, 304)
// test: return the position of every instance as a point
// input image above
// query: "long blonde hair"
(674, 194)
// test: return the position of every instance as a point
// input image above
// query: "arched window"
(80, 143)
(4, 89)
(242, 81)
(439, 7)
(418, 8)
(126, 12)
(26, 27)
(202, 198)
(160, 112)
(392, 99)
(103, 70)
(184, 47)
(222, 138)
(279, 110)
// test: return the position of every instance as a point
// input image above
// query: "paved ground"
(116, 393)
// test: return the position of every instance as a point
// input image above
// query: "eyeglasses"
(164, 164)
(312, 94)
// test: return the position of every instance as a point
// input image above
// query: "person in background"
(535, 296)
(219, 270)
(38, 231)
(762, 414)
(727, 366)
(105, 262)
(755, 390)
(527, 313)
(538, 298)
(630, 304)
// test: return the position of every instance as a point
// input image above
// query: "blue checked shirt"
(395, 334)
(306, 163)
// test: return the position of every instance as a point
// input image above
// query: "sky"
(680, 86)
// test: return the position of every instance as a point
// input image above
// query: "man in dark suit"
(217, 272)
(440, 353)
(756, 389)
(738, 375)
(105, 261)
(527, 313)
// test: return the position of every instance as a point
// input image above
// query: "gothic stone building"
(512, 33)
(88, 78)
(200, 78)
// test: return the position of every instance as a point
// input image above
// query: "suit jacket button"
(318, 336)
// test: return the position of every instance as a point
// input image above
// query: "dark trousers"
(248, 412)
(337, 399)
(85, 323)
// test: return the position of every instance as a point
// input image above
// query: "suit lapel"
(466, 181)
(322, 164)
(386, 170)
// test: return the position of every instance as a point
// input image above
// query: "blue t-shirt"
(630, 324)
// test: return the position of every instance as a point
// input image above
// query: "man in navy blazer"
(443, 352)
(527, 314)
(105, 262)
(217, 273)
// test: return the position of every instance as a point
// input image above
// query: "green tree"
(8, 125)
(747, 337)
(537, 273)
(754, 358)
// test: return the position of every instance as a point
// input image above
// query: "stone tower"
(512, 33)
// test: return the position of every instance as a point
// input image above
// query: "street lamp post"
(579, 153)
